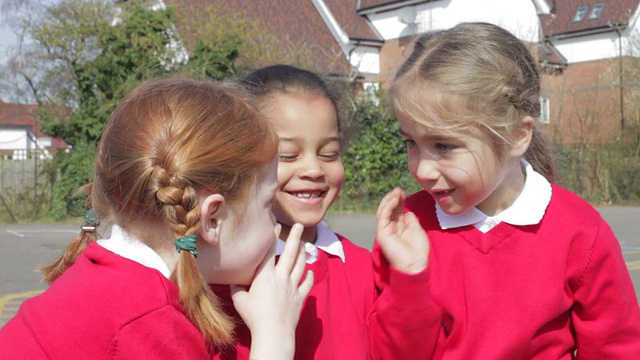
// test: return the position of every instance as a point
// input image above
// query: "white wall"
(594, 47)
(517, 16)
(11, 139)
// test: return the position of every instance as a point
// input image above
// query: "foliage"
(375, 161)
(86, 55)
(601, 173)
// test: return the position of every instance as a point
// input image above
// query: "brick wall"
(585, 102)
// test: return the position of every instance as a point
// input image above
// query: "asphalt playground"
(23, 247)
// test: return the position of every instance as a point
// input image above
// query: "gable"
(574, 17)
(25, 116)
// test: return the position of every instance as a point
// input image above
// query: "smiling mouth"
(442, 192)
(308, 194)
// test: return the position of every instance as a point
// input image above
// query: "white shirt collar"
(528, 208)
(133, 249)
(326, 240)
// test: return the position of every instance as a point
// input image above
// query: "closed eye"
(443, 147)
(287, 157)
(409, 143)
(330, 156)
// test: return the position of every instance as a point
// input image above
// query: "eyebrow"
(323, 142)
(432, 137)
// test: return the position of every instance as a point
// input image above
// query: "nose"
(426, 169)
(312, 167)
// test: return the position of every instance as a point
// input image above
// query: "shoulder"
(357, 257)
(121, 287)
(565, 204)
(349, 245)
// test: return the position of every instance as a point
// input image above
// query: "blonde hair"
(478, 67)
(168, 140)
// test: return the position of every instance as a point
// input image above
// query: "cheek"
(338, 175)
(285, 172)
(412, 163)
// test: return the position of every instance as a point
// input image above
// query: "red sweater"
(530, 292)
(339, 319)
(103, 307)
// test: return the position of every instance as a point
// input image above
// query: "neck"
(507, 192)
(160, 239)
(308, 235)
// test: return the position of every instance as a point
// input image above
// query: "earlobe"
(522, 136)
(211, 208)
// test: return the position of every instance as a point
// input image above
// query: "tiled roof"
(296, 20)
(356, 26)
(25, 115)
(564, 21)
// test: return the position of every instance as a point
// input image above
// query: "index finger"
(291, 249)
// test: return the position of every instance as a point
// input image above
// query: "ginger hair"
(167, 141)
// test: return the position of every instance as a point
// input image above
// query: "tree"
(84, 55)
(376, 159)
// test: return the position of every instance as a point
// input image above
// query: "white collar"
(133, 249)
(326, 240)
(528, 208)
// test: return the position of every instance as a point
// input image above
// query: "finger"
(298, 267)
(383, 203)
(306, 285)
(277, 229)
(411, 220)
(385, 211)
(238, 293)
(291, 250)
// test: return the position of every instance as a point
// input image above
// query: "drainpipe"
(617, 29)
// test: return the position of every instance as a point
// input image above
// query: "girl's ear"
(522, 137)
(212, 208)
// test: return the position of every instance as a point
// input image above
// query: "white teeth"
(308, 195)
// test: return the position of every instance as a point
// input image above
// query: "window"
(544, 110)
(597, 10)
(582, 10)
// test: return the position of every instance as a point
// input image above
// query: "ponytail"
(202, 307)
(200, 303)
(76, 247)
(539, 155)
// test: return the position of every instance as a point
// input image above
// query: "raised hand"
(271, 306)
(402, 240)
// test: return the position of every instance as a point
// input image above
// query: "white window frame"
(545, 110)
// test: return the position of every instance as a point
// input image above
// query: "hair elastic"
(187, 242)
(90, 221)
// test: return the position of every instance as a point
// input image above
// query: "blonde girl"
(520, 267)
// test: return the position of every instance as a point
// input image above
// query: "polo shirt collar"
(528, 208)
(133, 249)
(326, 240)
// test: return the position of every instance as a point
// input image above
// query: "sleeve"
(165, 333)
(606, 316)
(404, 323)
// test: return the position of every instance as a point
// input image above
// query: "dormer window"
(597, 10)
(582, 10)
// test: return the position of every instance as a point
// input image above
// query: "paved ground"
(25, 246)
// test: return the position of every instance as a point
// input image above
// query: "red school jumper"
(530, 292)
(103, 307)
(340, 320)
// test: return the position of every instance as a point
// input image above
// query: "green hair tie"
(90, 217)
(188, 243)
(90, 222)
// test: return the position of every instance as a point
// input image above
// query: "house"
(21, 136)
(586, 48)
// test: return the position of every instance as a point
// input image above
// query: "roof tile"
(613, 12)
